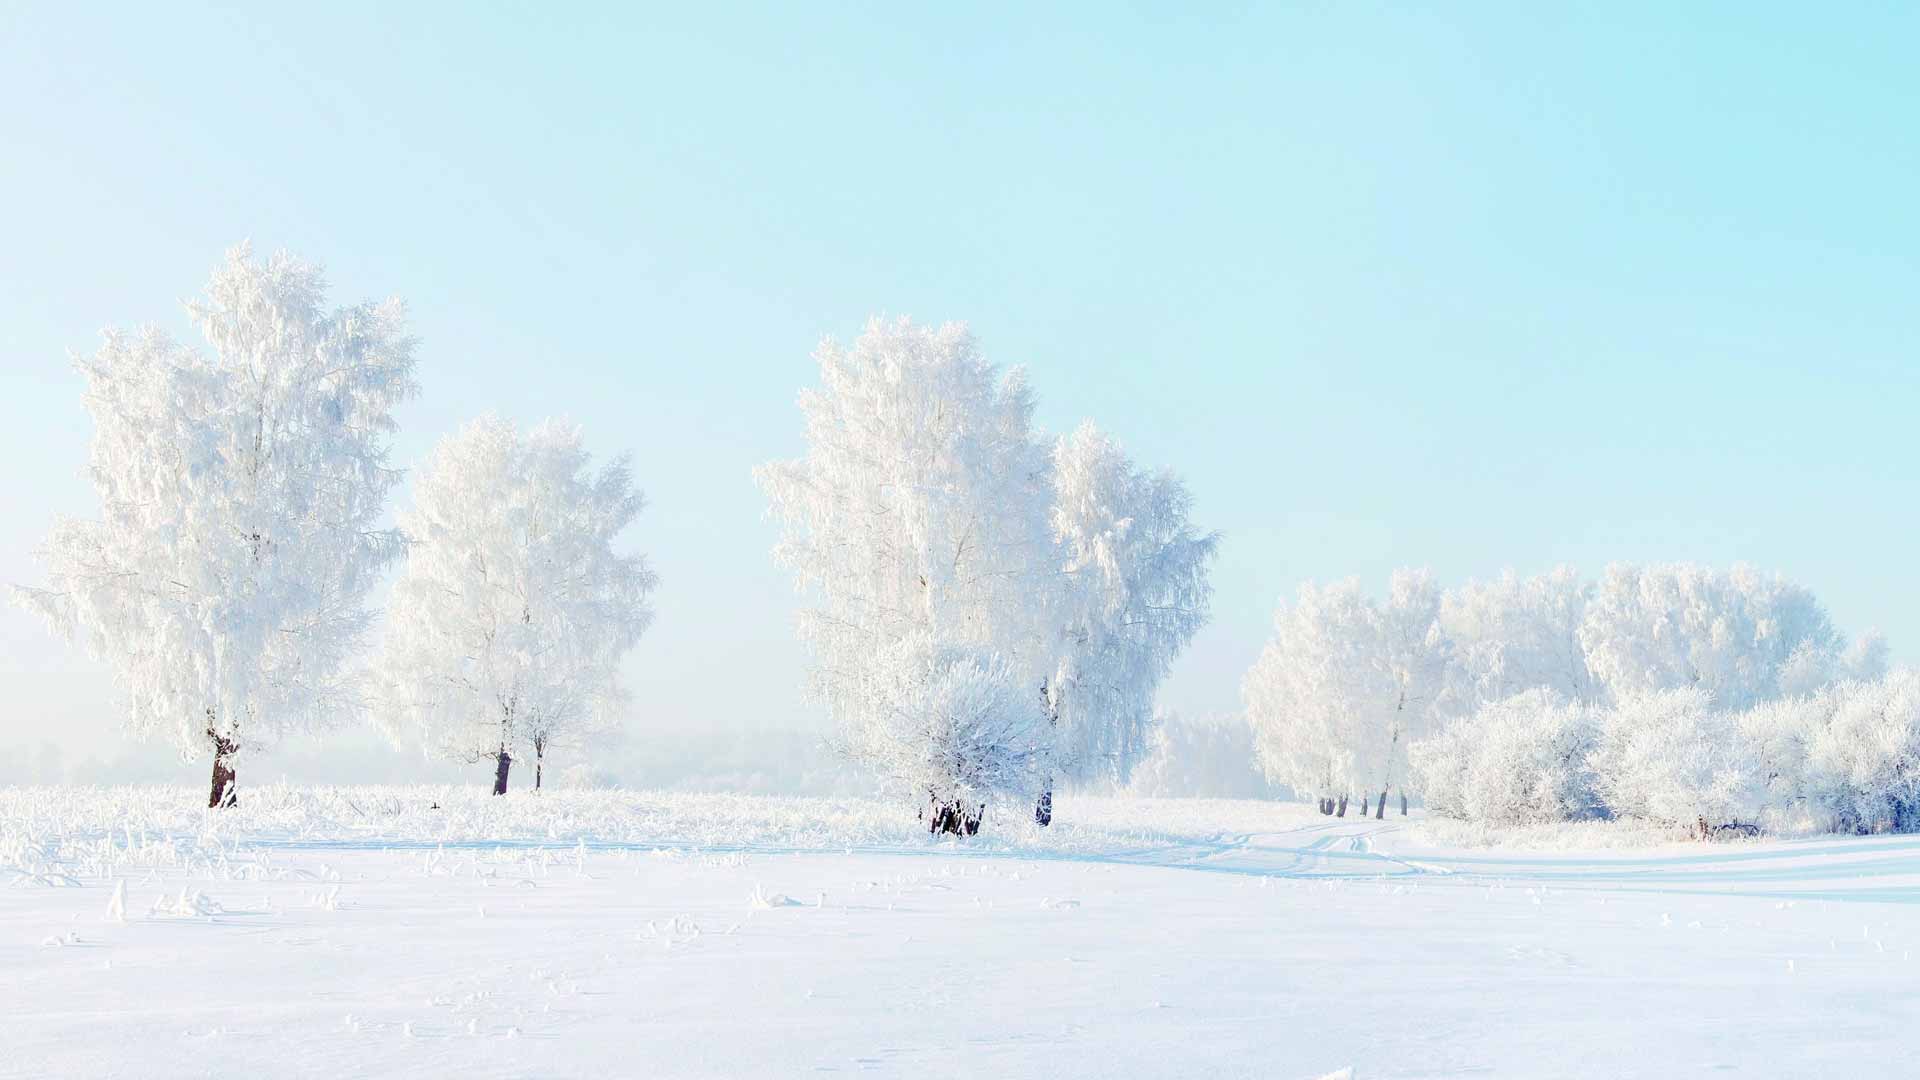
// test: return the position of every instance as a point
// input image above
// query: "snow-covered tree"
(240, 488)
(938, 536)
(1515, 634)
(513, 612)
(1296, 693)
(1413, 654)
(917, 522)
(1132, 591)
(1739, 635)
(1346, 685)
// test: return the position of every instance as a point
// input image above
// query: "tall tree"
(1131, 592)
(225, 578)
(513, 612)
(1739, 635)
(915, 522)
(951, 553)
(1515, 634)
(1346, 685)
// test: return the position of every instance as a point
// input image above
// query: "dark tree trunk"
(1043, 810)
(226, 792)
(1380, 811)
(1403, 804)
(1326, 806)
(953, 819)
(1364, 804)
(539, 767)
(500, 767)
(1342, 812)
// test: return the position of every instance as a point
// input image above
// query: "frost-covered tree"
(513, 612)
(1739, 635)
(240, 489)
(1132, 591)
(1346, 685)
(946, 549)
(1413, 653)
(1296, 693)
(917, 522)
(1515, 634)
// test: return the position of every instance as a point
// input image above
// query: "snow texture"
(362, 931)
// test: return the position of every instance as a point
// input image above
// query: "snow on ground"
(363, 932)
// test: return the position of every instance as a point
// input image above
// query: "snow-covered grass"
(1552, 836)
(78, 821)
(360, 931)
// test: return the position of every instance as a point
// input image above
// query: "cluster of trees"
(1679, 694)
(992, 609)
(226, 581)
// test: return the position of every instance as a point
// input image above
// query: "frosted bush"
(1520, 761)
(955, 729)
(1863, 761)
(1672, 759)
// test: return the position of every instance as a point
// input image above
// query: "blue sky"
(1488, 286)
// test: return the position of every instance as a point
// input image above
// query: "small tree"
(952, 729)
(224, 580)
(512, 614)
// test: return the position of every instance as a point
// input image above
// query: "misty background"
(1478, 288)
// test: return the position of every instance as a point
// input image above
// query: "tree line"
(991, 609)
(1714, 700)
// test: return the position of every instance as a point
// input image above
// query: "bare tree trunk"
(954, 819)
(226, 792)
(1043, 810)
(1342, 812)
(539, 766)
(1363, 804)
(1403, 804)
(1380, 813)
(1326, 806)
(500, 767)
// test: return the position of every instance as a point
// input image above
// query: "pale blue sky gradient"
(1488, 286)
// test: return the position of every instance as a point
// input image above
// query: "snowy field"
(362, 931)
